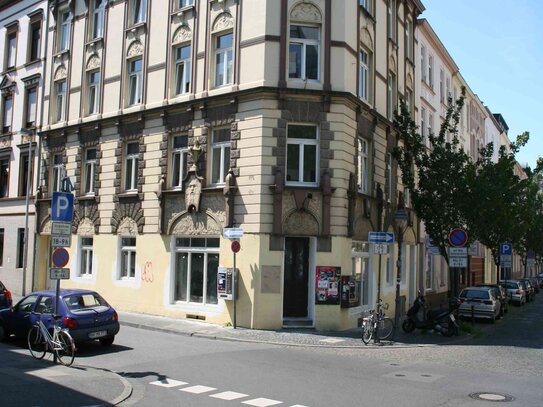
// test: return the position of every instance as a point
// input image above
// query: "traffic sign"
(60, 257)
(458, 262)
(458, 237)
(458, 256)
(381, 237)
(61, 241)
(506, 248)
(380, 248)
(458, 251)
(235, 246)
(62, 207)
(59, 273)
(61, 228)
(232, 233)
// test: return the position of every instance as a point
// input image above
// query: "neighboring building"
(178, 123)
(22, 43)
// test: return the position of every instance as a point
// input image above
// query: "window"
(11, 47)
(7, 113)
(134, 82)
(220, 155)
(302, 154)
(223, 59)
(423, 124)
(128, 258)
(431, 71)
(428, 273)
(388, 179)
(89, 171)
(60, 104)
(304, 52)
(441, 86)
(366, 4)
(409, 100)
(20, 247)
(196, 265)
(85, 255)
(93, 92)
(391, 95)
(430, 124)
(362, 270)
(58, 173)
(182, 69)
(448, 89)
(423, 67)
(363, 176)
(391, 19)
(97, 18)
(35, 41)
(409, 40)
(131, 167)
(64, 30)
(1, 247)
(139, 11)
(30, 110)
(4, 177)
(179, 161)
(184, 3)
(364, 76)
(24, 168)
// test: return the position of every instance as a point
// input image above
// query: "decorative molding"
(306, 12)
(182, 34)
(259, 40)
(135, 49)
(93, 62)
(365, 38)
(224, 21)
(61, 73)
(156, 67)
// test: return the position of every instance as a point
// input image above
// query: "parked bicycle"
(60, 342)
(376, 325)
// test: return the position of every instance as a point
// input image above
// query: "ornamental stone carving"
(195, 223)
(301, 223)
(182, 34)
(306, 12)
(127, 227)
(224, 21)
(60, 73)
(86, 227)
(93, 62)
(365, 37)
(135, 49)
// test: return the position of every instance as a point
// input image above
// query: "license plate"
(452, 318)
(97, 334)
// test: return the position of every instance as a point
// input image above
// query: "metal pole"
(57, 298)
(376, 339)
(234, 288)
(398, 279)
(28, 190)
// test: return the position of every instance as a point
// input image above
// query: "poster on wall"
(327, 285)
(350, 291)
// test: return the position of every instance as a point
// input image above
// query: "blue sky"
(498, 46)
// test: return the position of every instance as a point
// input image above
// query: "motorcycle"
(442, 320)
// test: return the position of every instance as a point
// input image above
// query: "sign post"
(234, 233)
(458, 255)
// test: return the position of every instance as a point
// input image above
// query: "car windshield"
(476, 294)
(83, 301)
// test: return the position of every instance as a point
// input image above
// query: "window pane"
(198, 242)
(303, 132)
(176, 167)
(312, 62)
(212, 266)
(180, 142)
(216, 166)
(299, 31)
(132, 264)
(293, 159)
(35, 46)
(221, 135)
(219, 70)
(225, 41)
(132, 148)
(310, 162)
(213, 242)
(197, 278)
(181, 271)
(295, 61)
(182, 242)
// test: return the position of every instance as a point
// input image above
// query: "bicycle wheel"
(367, 331)
(386, 326)
(36, 343)
(66, 349)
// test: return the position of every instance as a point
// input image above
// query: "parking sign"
(62, 207)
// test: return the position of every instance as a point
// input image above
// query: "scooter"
(441, 320)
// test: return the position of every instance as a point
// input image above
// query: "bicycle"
(61, 343)
(376, 325)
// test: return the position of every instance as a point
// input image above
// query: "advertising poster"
(327, 285)
(350, 291)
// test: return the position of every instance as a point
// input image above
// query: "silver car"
(479, 302)
(515, 291)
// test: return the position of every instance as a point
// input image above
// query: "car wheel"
(107, 341)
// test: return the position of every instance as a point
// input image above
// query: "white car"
(479, 302)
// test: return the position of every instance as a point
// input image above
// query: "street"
(505, 359)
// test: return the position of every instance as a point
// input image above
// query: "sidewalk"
(286, 337)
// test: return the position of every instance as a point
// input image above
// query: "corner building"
(177, 119)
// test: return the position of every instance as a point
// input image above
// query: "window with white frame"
(85, 256)
(388, 179)
(430, 124)
(184, 3)
(178, 161)
(391, 95)
(302, 155)
(366, 5)
(364, 75)
(423, 66)
(447, 89)
(135, 80)
(65, 20)
(35, 41)
(128, 258)
(24, 168)
(11, 48)
(441, 86)
(7, 112)
(139, 11)
(409, 39)
(423, 124)
(4, 177)
(363, 166)
(89, 171)
(182, 69)
(220, 155)
(30, 107)
(57, 173)
(431, 71)
(131, 167)
(60, 100)
(93, 92)
(409, 100)
(407, 197)
(224, 59)
(361, 269)
(304, 52)
(196, 265)
(97, 13)
(392, 19)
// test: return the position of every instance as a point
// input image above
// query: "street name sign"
(232, 233)
(381, 237)
(56, 273)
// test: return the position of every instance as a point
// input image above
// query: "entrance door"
(295, 290)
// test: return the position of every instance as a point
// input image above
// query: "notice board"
(327, 285)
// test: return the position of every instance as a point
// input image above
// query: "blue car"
(84, 312)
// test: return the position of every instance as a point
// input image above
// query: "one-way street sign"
(381, 237)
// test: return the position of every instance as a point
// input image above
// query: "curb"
(127, 387)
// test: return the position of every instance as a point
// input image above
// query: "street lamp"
(400, 218)
(29, 134)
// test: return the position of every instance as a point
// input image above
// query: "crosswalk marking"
(262, 402)
(228, 395)
(168, 383)
(198, 389)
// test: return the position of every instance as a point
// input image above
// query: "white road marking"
(332, 340)
(261, 402)
(198, 389)
(228, 395)
(168, 383)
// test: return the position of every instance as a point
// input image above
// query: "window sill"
(136, 27)
(61, 53)
(181, 11)
(34, 62)
(87, 198)
(309, 187)
(94, 41)
(128, 195)
(173, 191)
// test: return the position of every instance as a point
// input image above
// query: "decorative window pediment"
(366, 39)
(182, 34)
(135, 49)
(306, 12)
(60, 73)
(224, 21)
(93, 62)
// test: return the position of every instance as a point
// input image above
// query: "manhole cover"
(491, 397)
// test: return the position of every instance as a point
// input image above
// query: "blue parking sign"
(506, 248)
(62, 207)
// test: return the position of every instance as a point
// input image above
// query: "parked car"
(535, 284)
(85, 313)
(515, 291)
(530, 292)
(500, 293)
(479, 302)
(5, 297)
